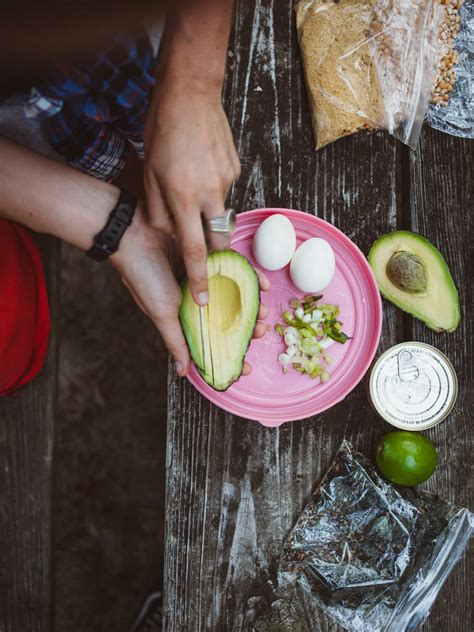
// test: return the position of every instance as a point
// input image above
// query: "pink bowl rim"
(219, 397)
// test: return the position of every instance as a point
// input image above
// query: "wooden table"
(26, 467)
(235, 488)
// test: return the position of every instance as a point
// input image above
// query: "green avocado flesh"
(219, 334)
(412, 274)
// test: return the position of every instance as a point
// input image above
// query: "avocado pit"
(407, 272)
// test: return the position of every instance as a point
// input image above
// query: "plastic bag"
(372, 557)
(457, 116)
(369, 64)
(340, 75)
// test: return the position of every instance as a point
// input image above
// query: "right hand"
(190, 164)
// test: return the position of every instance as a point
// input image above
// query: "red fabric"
(24, 310)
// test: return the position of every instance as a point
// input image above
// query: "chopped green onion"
(304, 328)
(312, 298)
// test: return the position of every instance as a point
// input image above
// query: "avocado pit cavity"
(219, 334)
(225, 304)
(407, 272)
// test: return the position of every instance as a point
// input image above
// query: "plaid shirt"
(93, 113)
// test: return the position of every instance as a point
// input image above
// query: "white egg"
(274, 242)
(313, 265)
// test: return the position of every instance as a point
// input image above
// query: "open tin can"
(413, 386)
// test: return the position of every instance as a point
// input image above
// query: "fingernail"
(203, 298)
(179, 367)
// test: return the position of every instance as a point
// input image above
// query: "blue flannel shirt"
(93, 113)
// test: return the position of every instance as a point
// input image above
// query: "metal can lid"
(413, 386)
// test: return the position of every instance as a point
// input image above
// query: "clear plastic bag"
(369, 64)
(372, 557)
(457, 116)
(340, 74)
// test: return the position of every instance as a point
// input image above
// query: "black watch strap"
(107, 241)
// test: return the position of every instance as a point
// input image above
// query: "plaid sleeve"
(40, 106)
(93, 112)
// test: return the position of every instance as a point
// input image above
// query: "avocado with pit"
(412, 274)
(219, 334)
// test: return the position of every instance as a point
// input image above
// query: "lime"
(406, 458)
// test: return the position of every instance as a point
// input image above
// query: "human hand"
(145, 263)
(190, 164)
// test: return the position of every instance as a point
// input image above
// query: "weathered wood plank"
(26, 450)
(441, 204)
(234, 487)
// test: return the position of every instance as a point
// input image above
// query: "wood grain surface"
(440, 193)
(235, 488)
(26, 451)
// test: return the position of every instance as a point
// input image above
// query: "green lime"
(406, 458)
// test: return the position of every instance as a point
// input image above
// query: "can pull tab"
(407, 369)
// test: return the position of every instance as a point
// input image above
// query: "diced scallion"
(311, 328)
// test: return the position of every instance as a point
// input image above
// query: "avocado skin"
(187, 322)
(421, 306)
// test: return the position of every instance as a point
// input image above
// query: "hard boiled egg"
(313, 265)
(274, 242)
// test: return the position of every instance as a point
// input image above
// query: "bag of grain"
(369, 64)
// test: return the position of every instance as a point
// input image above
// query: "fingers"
(260, 328)
(259, 331)
(247, 369)
(262, 312)
(263, 280)
(158, 214)
(146, 271)
(170, 330)
(216, 241)
(164, 312)
(135, 297)
(194, 251)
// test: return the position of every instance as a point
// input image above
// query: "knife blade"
(202, 336)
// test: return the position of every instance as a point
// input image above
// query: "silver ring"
(224, 224)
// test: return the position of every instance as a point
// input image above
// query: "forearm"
(194, 44)
(50, 197)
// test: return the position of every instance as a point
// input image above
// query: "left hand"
(145, 262)
(190, 164)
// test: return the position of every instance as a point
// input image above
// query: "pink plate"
(269, 396)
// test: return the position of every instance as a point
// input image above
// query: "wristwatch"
(107, 241)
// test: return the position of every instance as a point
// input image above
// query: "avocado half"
(412, 274)
(219, 334)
